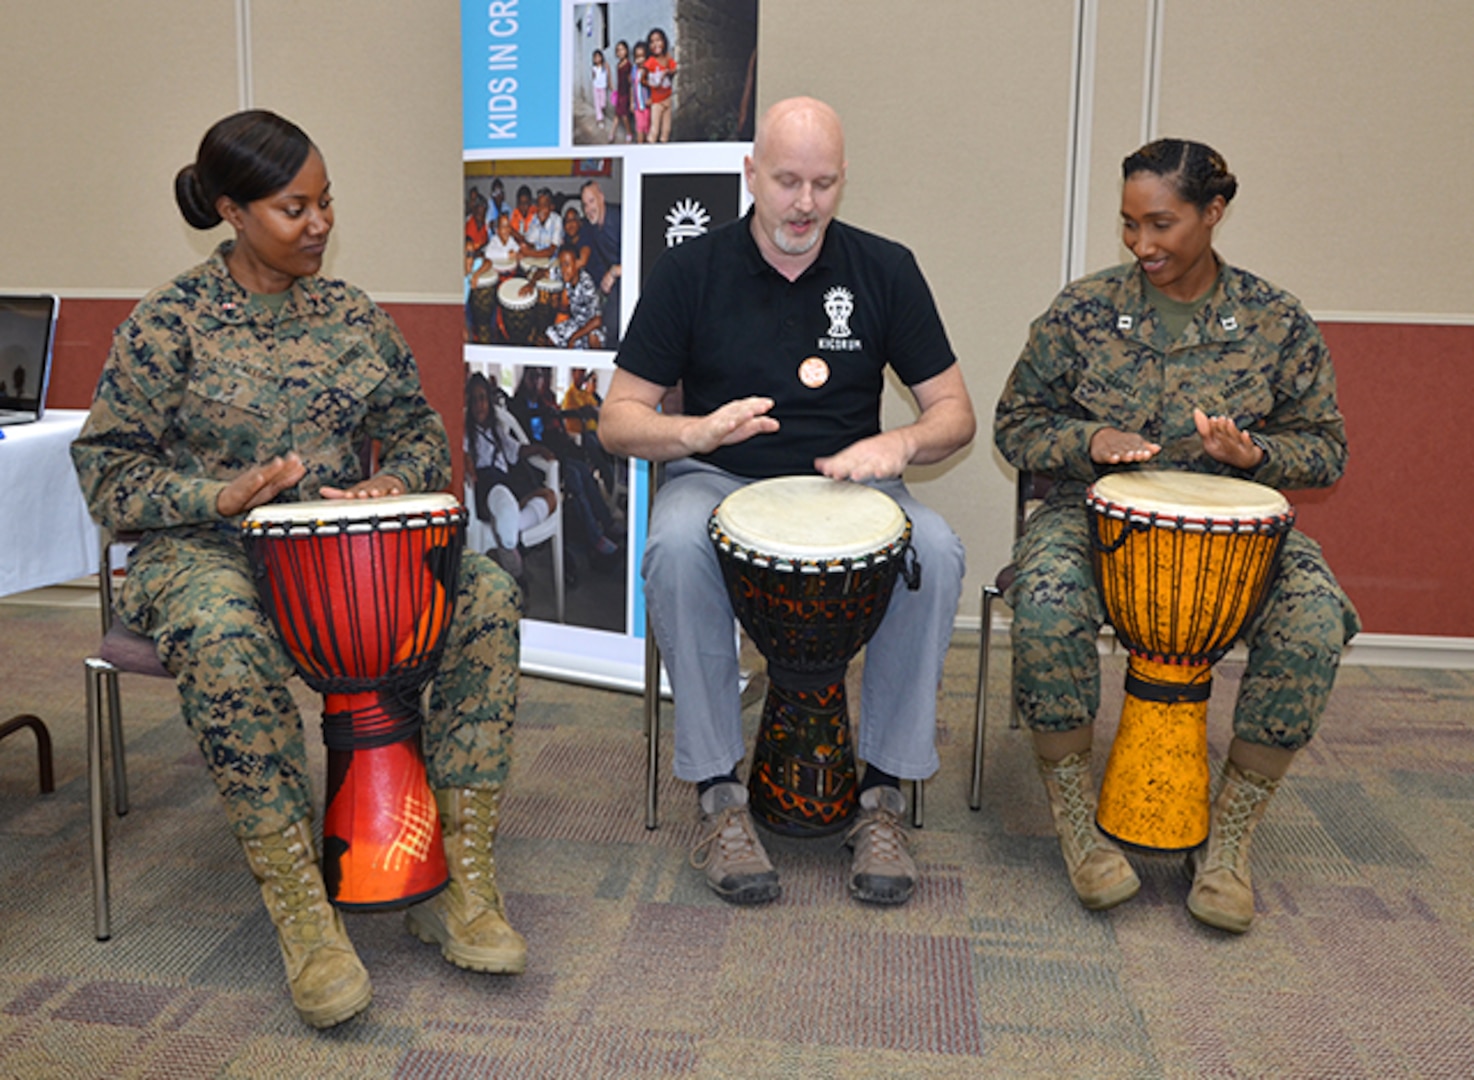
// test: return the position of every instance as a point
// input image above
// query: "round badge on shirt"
(813, 372)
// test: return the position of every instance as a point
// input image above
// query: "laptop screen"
(27, 329)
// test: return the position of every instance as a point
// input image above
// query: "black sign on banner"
(674, 207)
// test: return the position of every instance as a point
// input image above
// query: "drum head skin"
(347, 512)
(811, 517)
(509, 293)
(1186, 495)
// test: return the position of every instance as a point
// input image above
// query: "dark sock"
(876, 778)
(704, 785)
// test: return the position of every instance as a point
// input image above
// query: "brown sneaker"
(736, 866)
(883, 871)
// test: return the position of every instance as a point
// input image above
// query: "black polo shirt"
(717, 318)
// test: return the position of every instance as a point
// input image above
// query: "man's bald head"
(796, 175)
(803, 118)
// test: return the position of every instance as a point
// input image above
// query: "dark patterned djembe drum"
(810, 565)
(519, 312)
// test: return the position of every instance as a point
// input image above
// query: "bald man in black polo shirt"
(778, 328)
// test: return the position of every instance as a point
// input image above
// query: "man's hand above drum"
(260, 484)
(1224, 441)
(735, 422)
(1110, 446)
(634, 420)
(878, 457)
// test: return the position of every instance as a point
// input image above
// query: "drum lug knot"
(911, 569)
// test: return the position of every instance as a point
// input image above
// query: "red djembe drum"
(1183, 561)
(810, 565)
(361, 592)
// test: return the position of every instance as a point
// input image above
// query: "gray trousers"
(693, 621)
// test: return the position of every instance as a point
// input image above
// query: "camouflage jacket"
(1100, 357)
(201, 384)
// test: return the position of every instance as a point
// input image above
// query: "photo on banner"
(569, 194)
(545, 500)
(543, 242)
(662, 71)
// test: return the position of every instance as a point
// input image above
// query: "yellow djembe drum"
(1183, 562)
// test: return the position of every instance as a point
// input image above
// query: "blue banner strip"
(509, 72)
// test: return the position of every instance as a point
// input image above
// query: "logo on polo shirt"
(839, 305)
(687, 219)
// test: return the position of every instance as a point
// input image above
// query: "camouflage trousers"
(195, 596)
(1294, 644)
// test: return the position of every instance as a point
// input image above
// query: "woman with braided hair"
(1185, 362)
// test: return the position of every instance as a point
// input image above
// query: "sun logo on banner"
(687, 219)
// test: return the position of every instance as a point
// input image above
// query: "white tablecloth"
(46, 534)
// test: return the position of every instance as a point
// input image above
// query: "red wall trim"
(435, 332)
(1396, 528)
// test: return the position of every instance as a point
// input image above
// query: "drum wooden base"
(802, 781)
(1155, 790)
(382, 845)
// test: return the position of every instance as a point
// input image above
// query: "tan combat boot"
(1223, 894)
(468, 920)
(1099, 872)
(327, 981)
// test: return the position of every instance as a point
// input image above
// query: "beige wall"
(118, 95)
(1348, 125)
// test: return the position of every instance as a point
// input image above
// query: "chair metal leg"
(46, 774)
(115, 733)
(980, 725)
(918, 788)
(652, 729)
(97, 671)
(558, 586)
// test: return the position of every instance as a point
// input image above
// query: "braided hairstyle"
(1196, 171)
(246, 156)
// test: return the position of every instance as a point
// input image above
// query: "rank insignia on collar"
(1124, 322)
(1229, 323)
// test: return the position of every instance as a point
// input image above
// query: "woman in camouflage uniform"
(250, 379)
(1185, 362)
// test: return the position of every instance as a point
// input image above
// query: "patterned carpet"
(1360, 962)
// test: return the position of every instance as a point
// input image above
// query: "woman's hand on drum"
(380, 486)
(735, 422)
(1224, 441)
(1110, 446)
(260, 484)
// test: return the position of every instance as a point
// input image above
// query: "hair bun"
(198, 209)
